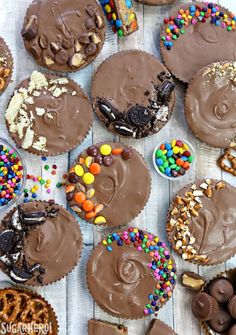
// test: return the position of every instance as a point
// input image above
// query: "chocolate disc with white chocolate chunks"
(109, 184)
(6, 65)
(76, 34)
(210, 104)
(133, 94)
(48, 115)
(34, 240)
(131, 274)
(201, 222)
(195, 35)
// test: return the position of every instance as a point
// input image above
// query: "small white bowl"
(169, 140)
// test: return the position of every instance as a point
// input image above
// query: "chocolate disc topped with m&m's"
(133, 94)
(210, 104)
(109, 184)
(131, 274)
(195, 35)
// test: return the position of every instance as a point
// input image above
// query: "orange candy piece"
(186, 165)
(88, 206)
(117, 151)
(95, 168)
(90, 215)
(80, 197)
(179, 162)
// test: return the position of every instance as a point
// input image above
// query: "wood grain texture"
(70, 296)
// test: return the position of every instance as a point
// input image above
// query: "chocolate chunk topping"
(90, 50)
(31, 29)
(90, 24)
(67, 44)
(36, 51)
(43, 42)
(61, 57)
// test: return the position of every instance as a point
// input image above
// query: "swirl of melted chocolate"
(210, 104)
(202, 43)
(125, 274)
(201, 222)
(42, 233)
(119, 191)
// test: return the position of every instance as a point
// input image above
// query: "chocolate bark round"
(125, 274)
(118, 191)
(48, 115)
(6, 65)
(133, 94)
(200, 44)
(76, 34)
(201, 222)
(209, 104)
(34, 242)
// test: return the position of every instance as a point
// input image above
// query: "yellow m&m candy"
(105, 149)
(88, 178)
(79, 170)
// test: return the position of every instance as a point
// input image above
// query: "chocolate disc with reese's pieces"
(48, 115)
(34, 240)
(6, 65)
(194, 36)
(201, 222)
(131, 274)
(76, 34)
(133, 94)
(210, 104)
(109, 184)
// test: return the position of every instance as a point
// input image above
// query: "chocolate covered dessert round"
(131, 274)
(109, 184)
(221, 322)
(209, 104)
(204, 307)
(195, 35)
(64, 35)
(157, 327)
(133, 94)
(201, 222)
(40, 243)
(156, 2)
(232, 307)
(23, 310)
(48, 115)
(6, 65)
(221, 289)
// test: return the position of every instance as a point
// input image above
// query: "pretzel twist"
(227, 156)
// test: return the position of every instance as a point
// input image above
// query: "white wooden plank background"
(70, 297)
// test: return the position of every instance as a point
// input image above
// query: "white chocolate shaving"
(28, 139)
(40, 111)
(40, 145)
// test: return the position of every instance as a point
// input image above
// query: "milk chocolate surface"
(158, 327)
(64, 35)
(97, 327)
(6, 65)
(210, 104)
(156, 2)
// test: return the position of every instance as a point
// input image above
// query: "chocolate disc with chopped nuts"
(201, 224)
(74, 39)
(6, 65)
(133, 94)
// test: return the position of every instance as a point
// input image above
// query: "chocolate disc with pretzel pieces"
(23, 308)
(210, 104)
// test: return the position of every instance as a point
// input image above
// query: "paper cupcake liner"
(229, 274)
(52, 314)
(67, 71)
(102, 307)
(11, 65)
(171, 107)
(141, 210)
(188, 186)
(60, 278)
(163, 48)
(185, 112)
(37, 153)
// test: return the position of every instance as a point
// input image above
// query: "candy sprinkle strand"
(210, 12)
(161, 265)
(11, 175)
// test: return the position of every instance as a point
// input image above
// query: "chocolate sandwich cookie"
(158, 327)
(133, 94)
(40, 243)
(26, 312)
(195, 35)
(97, 327)
(108, 185)
(201, 222)
(48, 115)
(131, 274)
(6, 65)
(156, 2)
(76, 34)
(210, 102)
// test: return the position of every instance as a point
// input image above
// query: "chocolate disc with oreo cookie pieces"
(64, 35)
(133, 94)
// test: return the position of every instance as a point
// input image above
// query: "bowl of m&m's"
(12, 174)
(173, 158)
